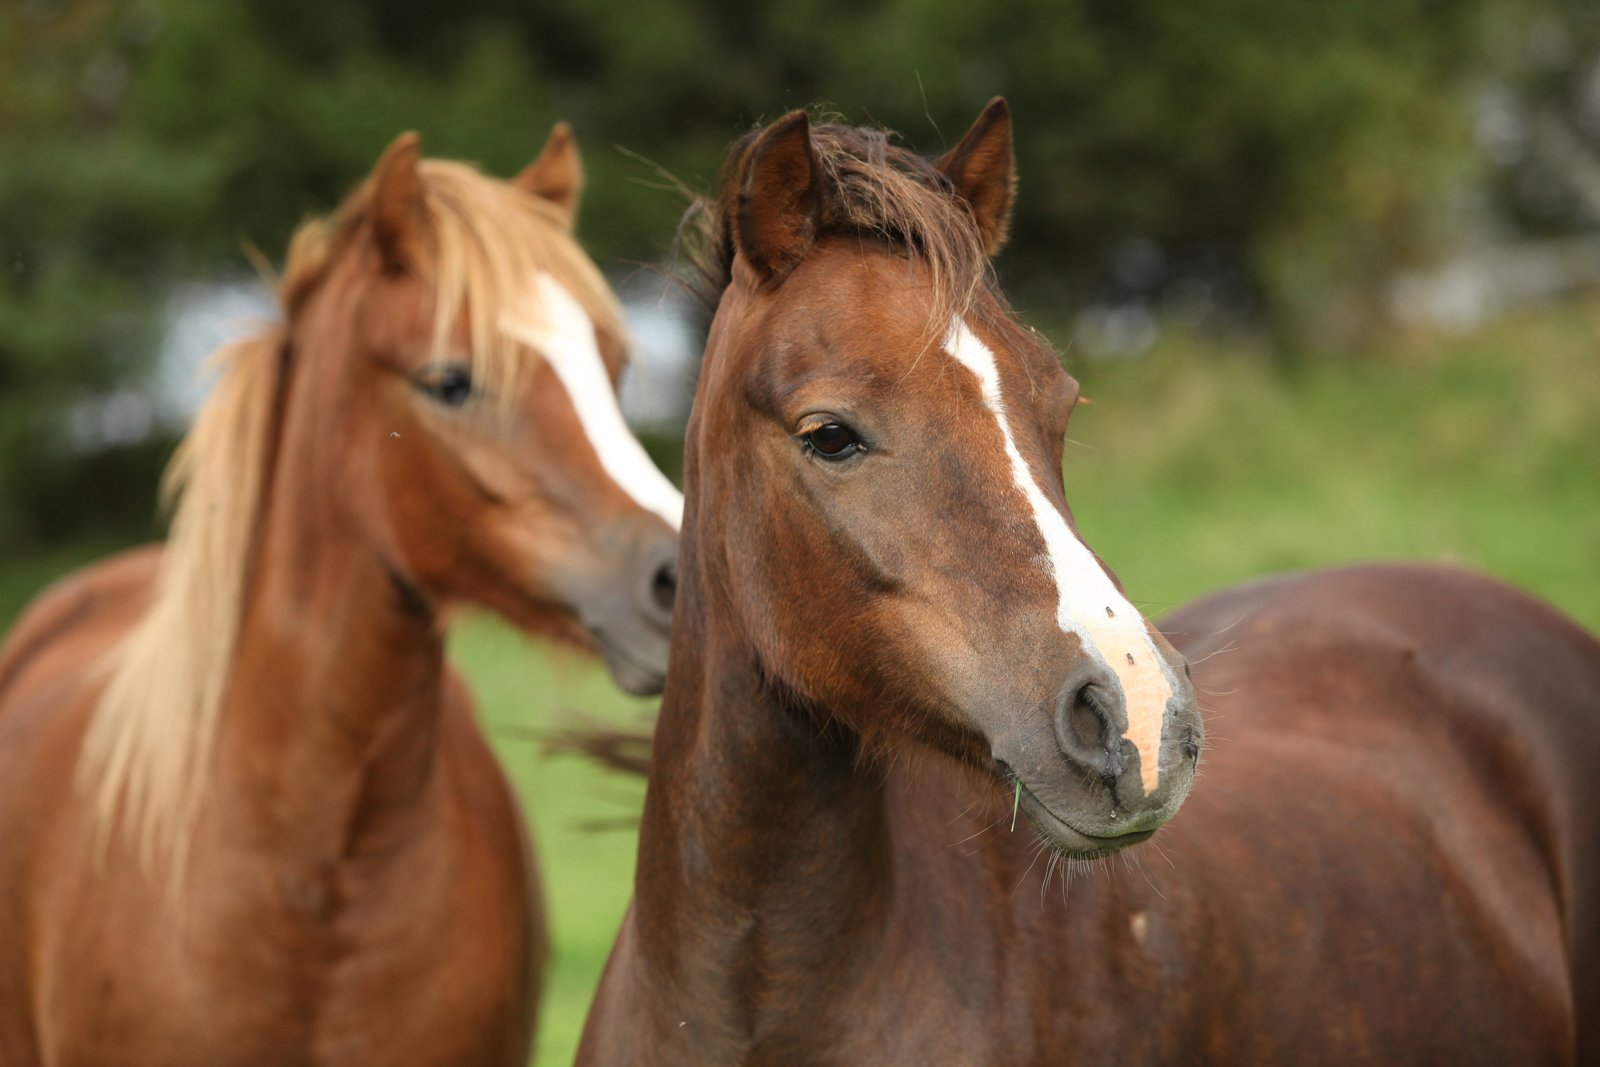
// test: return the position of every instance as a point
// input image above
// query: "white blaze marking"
(1089, 604)
(566, 340)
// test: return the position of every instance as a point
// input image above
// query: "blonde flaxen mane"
(148, 749)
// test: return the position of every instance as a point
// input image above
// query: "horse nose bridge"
(630, 562)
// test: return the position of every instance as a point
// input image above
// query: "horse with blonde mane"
(246, 813)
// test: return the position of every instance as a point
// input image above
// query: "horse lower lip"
(1086, 844)
(620, 659)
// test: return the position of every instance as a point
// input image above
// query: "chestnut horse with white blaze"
(889, 632)
(247, 815)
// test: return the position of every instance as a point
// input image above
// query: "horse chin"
(638, 667)
(1067, 840)
(631, 673)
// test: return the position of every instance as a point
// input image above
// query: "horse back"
(1465, 712)
(47, 678)
(75, 620)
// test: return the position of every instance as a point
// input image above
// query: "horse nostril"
(1086, 729)
(1089, 721)
(664, 586)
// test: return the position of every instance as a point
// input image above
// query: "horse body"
(370, 901)
(320, 861)
(1428, 883)
(1385, 858)
(1383, 862)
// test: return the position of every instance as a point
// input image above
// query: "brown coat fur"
(1390, 854)
(246, 813)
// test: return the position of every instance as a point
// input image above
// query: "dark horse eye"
(833, 441)
(451, 385)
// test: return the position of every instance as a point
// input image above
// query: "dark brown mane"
(880, 191)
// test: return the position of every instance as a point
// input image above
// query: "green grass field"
(1195, 467)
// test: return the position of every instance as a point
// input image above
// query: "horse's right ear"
(557, 175)
(780, 198)
(983, 171)
(397, 211)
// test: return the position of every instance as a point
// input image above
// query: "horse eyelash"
(811, 449)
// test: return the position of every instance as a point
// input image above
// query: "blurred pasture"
(1328, 274)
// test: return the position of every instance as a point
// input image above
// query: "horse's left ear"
(397, 210)
(780, 198)
(557, 175)
(984, 173)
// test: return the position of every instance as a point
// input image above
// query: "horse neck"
(764, 848)
(331, 717)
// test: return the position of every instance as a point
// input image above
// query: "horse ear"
(557, 175)
(984, 173)
(779, 198)
(397, 211)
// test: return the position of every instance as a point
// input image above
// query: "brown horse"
(246, 813)
(888, 634)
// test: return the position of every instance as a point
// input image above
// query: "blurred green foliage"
(1287, 157)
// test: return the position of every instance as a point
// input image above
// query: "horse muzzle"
(1078, 778)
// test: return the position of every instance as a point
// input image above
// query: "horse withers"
(890, 640)
(246, 812)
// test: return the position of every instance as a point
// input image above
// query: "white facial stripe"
(1089, 603)
(566, 341)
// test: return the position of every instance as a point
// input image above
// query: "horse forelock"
(490, 245)
(486, 247)
(873, 188)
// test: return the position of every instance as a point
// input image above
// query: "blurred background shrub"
(1316, 176)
